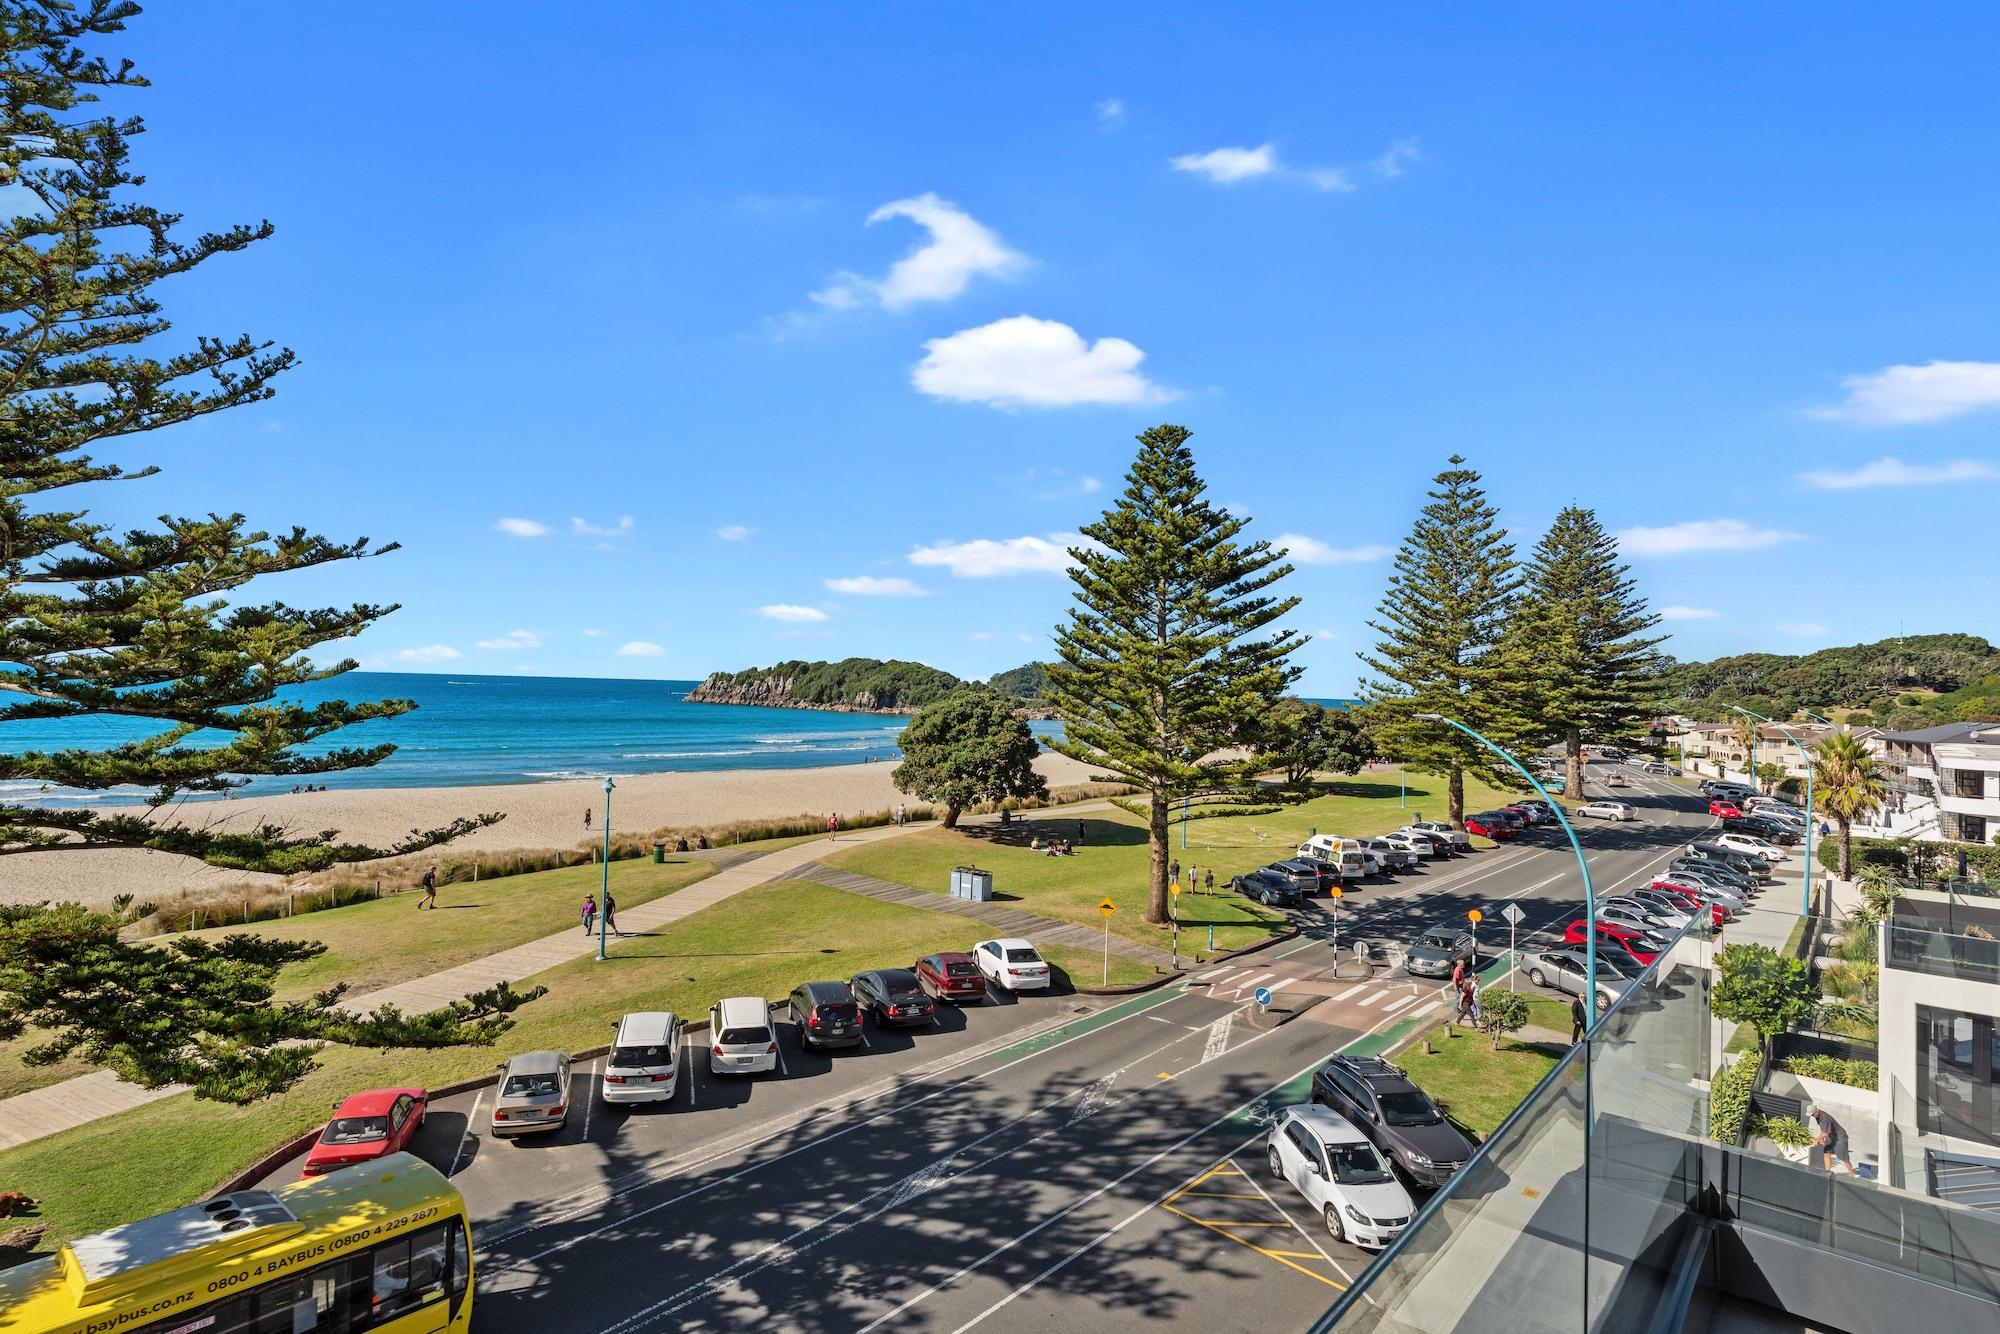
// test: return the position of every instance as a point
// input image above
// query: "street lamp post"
(1805, 874)
(604, 891)
(1589, 894)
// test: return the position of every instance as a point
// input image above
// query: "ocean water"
(470, 729)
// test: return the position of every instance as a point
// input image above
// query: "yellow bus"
(375, 1247)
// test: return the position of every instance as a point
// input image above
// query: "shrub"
(1502, 1012)
(1729, 1099)
(1787, 1131)
(1836, 1070)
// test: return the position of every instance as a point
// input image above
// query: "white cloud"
(1700, 535)
(985, 557)
(592, 633)
(585, 528)
(427, 653)
(1227, 166)
(873, 586)
(1110, 113)
(782, 611)
(1391, 161)
(1801, 628)
(1895, 472)
(513, 639)
(639, 648)
(1312, 551)
(1023, 362)
(1089, 485)
(522, 527)
(1024, 636)
(980, 636)
(959, 249)
(735, 532)
(1688, 614)
(1903, 395)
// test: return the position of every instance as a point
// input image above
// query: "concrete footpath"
(42, 1112)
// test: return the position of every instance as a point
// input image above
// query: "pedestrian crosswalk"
(1381, 995)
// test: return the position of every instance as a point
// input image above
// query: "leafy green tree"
(1769, 775)
(149, 626)
(1579, 630)
(1302, 738)
(1847, 784)
(968, 747)
(1502, 1012)
(197, 1011)
(1169, 655)
(1443, 646)
(1756, 985)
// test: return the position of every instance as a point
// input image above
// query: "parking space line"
(466, 1133)
(587, 1101)
(687, 1069)
(1229, 1227)
(1310, 1239)
(780, 1048)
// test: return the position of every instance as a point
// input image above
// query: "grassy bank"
(1473, 1084)
(763, 941)
(1112, 857)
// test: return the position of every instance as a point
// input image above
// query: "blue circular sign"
(1263, 996)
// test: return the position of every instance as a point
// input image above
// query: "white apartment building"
(1945, 782)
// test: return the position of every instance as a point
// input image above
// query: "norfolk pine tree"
(1578, 625)
(1164, 660)
(1443, 646)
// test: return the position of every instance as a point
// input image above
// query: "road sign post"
(1474, 916)
(1333, 892)
(1107, 907)
(1174, 912)
(1263, 997)
(1513, 914)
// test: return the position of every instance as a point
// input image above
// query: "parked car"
(1438, 949)
(1394, 1115)
(894, 997)
(367, 1126)
(826, 1015)
(1535, 810)
(1607, 810)
(1749, 863)
(1307, 877)
(1487, 827)
(644, 1063)
(1321, 1155)
(1513, 819)
(1392, 857)
(1614, 913)
(1458, 838)
(1776, 832)
(1011, 964)
(1757, 847)
(950, 977)
(1270, 888)
(1419, 846)
(1439, 844)
(1641, 948)
(1656, 767)
(1713, 871)
(1564, 970)
(1681, 900)
(1724, 809)
(1777, 807)
(533, 1095)
(1670, 916)
(740, 1039)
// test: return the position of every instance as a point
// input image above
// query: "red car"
(950, 977)
(367, 1126)
(1620, 940)
(1475, 824)
(1726, 810)
(1694, 901)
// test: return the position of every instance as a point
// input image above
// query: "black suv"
(895, 996)
(1397, 1117)
(1309, 877)
(826, 1015)
(1268, 887)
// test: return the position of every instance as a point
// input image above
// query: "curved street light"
(604, 894)
(1805, 874)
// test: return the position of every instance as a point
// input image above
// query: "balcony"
(1945, 940)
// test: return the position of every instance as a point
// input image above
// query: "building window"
(1958, 1074)
(1972, 828)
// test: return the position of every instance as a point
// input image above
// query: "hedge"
(1729, 1099)
(1835, 1070)
(1906, 857)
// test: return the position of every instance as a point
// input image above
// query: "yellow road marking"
(1222, 1194)
(1226, 1227)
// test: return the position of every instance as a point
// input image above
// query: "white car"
(740, 1037)
(1342, 1177)
(1607, 810)
(1458, 837)
(1629, 915)
(1670, 917)
(643, 1064)
(1750, 843)
(1420, 848)
(1011, 964)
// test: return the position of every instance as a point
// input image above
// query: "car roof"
(1010, 943)
(893, 976)
(645, 1026)
(743, 1010)
(535, 1063)
(951, 956)
(1329, 1125)
(374, 1102)
(819, 991)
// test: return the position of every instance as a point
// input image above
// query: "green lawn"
(1111, 858)
(1475, 1085)
(763, 941)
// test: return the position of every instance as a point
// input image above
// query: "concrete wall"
(1902, 991)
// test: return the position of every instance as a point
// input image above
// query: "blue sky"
(670, 339)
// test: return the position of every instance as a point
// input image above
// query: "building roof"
(1926, 736)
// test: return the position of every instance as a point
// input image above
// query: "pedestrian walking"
(901, 815)
(611, 914)
(1208, 881)
(586, 817)
(833, 826)
(1458, 974)
(1830, 1144)
(1174, 872)
(1578, 1020)
(1079, 831)
(430, 888)
(589, 912)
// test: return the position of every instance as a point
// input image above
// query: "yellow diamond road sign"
(1107, 907)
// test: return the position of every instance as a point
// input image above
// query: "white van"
(1344, 853)
(740, 1038)
(644, 1063)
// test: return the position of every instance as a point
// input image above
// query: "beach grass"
(763, 941)
(1112, 857)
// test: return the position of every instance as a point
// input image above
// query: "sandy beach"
(539, 815)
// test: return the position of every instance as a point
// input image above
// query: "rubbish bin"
(659, 852)
(978, 885)
(959, 876)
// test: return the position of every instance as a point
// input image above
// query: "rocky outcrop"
(778, 692)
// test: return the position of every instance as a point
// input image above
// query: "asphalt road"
(1028, 1164)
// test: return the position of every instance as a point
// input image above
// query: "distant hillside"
(1913, 681)
(852, 685)
(1029, 682)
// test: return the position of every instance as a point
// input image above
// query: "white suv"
(1753, 845)
(740, 1039)
(1343, 1178)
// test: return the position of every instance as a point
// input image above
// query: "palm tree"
(1847, 783)
(1746, 740)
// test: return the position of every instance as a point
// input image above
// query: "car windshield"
(530, 1086)
(1407, 1108)
(1436, 940)
(964, 968)
(744, 1037)
(1606, 968)
(355, 1130)
(1357, 1165)
(1023, 956)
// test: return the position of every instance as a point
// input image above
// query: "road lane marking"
(1396, 1005)
(1218, 1038)
(1358, 986)
(466, 1133)
(1372, 999)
